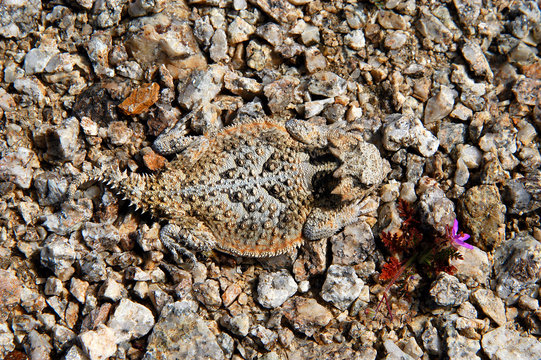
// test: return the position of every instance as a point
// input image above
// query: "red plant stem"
(391, 282)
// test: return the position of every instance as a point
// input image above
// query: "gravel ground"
(448, 91)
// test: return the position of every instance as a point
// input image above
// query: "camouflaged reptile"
(250, 189)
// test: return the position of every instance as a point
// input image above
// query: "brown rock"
(10, 288)
(306, 315)
(140, 99)
(152, 160)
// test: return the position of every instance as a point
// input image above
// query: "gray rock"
(522, 195)
(405, 131)
(315, 61)
(431, 340)
(275, 288)
(432, 28)
(98, 47)
(395, 40)
(93, 267)
(468, 12)
(272, 33)
(98, 344)
(75, 353)
(490, 304)
(131, 70)
(182, 334)
(62, 336)
(264, 336)
(62, 141)
(460, 347)
(440, 105)
(527, 90)
(239, 30)
(326, 83)
(436, 209)
(447, 290)
(450, 135)
(218, 46)
(476, 59)
(108, 12)
(238, 325)
(19, 18)
(57, 254)
(18, 167)
(71, 217)
(38, 346)
(227, 344)
(394, 352)
(414, 167)
(282, 93)
(201, 87)
(342, 286)
(517, 266)
(130, 321)
(37, 59)
(33, 88)
(208, 293)
(503, 343)
(306, 314)
(353, 245)
(474, 268)
(483, 216)
(355, 40)
(145, 7)
(258, 55)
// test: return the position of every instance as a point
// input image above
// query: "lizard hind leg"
(190, 233)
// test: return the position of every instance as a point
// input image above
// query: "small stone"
(280, 10)
(490, 304)
(181, 333)
(342, 286)
(436, 209)
(201, 86)
(53, 286)
(315, 61)
(450, 135)
(528, 303)
(74, 352)
(38, 346)
(394, 352)
(460, 347)
(264, 336)
(272, 33)
(353, 245)
(392, 20)
(447, 290)
(119, 133)
(517, 266)
(474, 267)
(208, 293)
(468, 12)
(78, 289)
(112, 290)
(239, 85)
(483, 216)
(10, 288)
(275, 288)
(527, 91)
(218, 46)
(18, 167)
(57, 254)
(19, 18)
(431, 340)
(99, 344)
(326, 83)
(432, 28)
(33, 88)
(145, 7)
(238, 325)
(37, 59)
(404, 131)
(130, 321)
(62, 336)
(97, 48)
(93, 267)
(355, 40)
(71, 217)
(310, 35)
(230, 294)
(503, 343)
(476, 59)
(440, 105)
(258, 55)
(395, 40)
(141, 99)
(461, 112)
(239, 30)
(282, 93)
(306, 315)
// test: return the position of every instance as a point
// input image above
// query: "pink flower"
(458, 238)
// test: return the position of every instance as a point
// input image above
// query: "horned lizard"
(248, 189)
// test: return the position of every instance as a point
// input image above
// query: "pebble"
(71, 217)
(258, 55)
(218, 46)
(112, 290)
(130, 321)
(432, 28)
(78, 289)
(447, 290)
(391, 20)
(326, 83)
(264, 336)
(460, 347)
(315, 61)
(405, 131)
(282, 93)
(62, 141)
(10, 288)
(474, 267)
(483, 216)
(18, 167)
(201, 87)
(491, 305)
(517, 266)
(239, 30)
(144, 7)
(440, 105)
(208, 293)
(37, 59)
(527, 91)
(32, 88)
(19, 18)
(238, 325)
(503, 343)
(97, 48)
(395, 40)
(435, 208)
(450, 135)
(353, 245)
(38, 346)
(306, 315)
(394, 352)
(274, 289)
(432, 342)
(140, 99)
(342, 286)
(98, 344)
(272, 33)
(57, 254)
(181, 333)
(476, 59)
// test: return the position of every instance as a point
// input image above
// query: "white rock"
(342, 286)
(99, 344)
(275, 288)
(355, 40)
(130, 321)
(503, 343)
